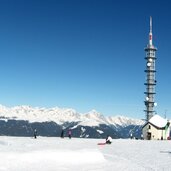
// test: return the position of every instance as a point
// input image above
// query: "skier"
(62, 133)
(35, 133)
(108, 140)
(69, 134)
(131, 136)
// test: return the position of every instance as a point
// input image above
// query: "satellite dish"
(147, 98)
(148, 64)
(150, 60)
(155, 104)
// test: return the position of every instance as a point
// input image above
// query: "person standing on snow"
(131, 136)
(62, 133)
(69, 134)
(35, 133)
(142, 137)
(108, 140)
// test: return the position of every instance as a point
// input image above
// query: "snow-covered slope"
(124, 121)
(51, 154)
(62, 115)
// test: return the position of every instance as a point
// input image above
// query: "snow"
(100, 131)
(47, 153)
(124, 121)
(158, 121)
(62, 115)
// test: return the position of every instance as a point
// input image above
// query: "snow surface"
(51, 154)
(158, 121)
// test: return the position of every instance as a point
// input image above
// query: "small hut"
(157, 128)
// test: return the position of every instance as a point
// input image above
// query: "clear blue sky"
(83, 54)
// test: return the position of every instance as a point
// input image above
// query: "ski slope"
(52, 154)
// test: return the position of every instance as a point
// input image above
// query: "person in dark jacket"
(69, 134)
(35, 133)
(108, 140)
(62, 133)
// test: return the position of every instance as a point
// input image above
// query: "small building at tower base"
(157, 128)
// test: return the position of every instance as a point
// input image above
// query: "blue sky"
(83, 54)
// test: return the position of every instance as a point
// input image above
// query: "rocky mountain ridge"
(50, 122)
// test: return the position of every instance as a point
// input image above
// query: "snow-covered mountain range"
(66, 118)
(62, 115)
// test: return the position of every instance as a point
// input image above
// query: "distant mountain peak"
(93, 113)
(62, 115)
